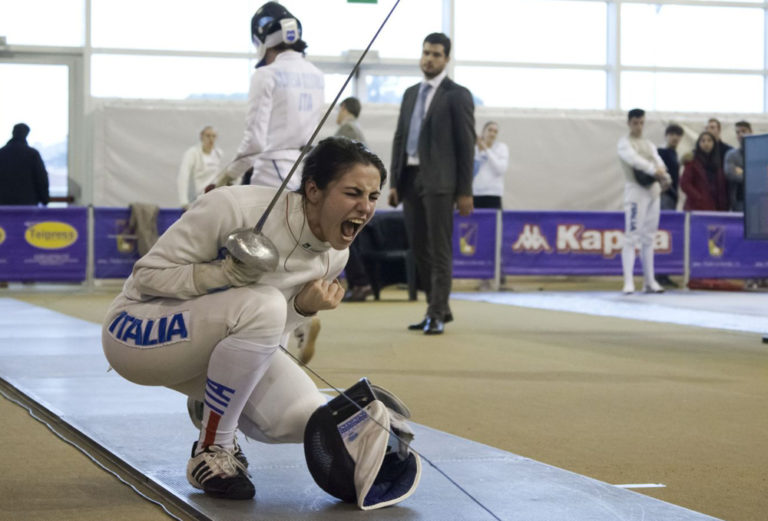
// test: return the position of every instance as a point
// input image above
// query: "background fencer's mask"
(353, 458)
(271, 25)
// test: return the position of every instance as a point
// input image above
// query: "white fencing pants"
(642, 210)
(172, 343)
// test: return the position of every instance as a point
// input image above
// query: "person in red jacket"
(703, 179)
(706, 188)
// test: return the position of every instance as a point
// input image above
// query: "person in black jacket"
(673, 134)
(23, 177)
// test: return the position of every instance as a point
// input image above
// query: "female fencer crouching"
(192, 319)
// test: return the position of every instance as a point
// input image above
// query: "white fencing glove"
(209, 276)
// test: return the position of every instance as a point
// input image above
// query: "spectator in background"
(673, 134)
(199, 167)
(669, 197)
(432, 153)
(734, 168)
(349, 111)
(491, 161)
(645, 178)
(706, 189)
(703, 179)
(23, 177)
(714, 128)
(358, 284)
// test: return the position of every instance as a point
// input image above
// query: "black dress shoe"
(434, 327)
(419, 326)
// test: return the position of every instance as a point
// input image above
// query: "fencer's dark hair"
(352, 104)
(20, 131)
(714, 156)
(298, 46)
(744, 124)
(333, 157)
(675, 129)
(441, 39)
(635, 113)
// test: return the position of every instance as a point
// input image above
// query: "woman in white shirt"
(491, 161)
(199, 167)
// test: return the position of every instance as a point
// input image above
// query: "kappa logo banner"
(150, 332)
(581, 243)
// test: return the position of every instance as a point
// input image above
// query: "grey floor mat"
(57, 361)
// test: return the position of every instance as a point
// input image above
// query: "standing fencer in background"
(285, 101)
(192, 319)
(432, 158)
(645, 178)
(285, 104)
(199, 167)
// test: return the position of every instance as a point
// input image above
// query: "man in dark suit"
(432, 160)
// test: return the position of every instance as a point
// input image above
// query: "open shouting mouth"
(350, 227)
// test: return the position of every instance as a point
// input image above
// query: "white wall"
(558, 160)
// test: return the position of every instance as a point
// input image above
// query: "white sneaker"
(653, 287)
(629, 288)
(306, 335)
(217, 472)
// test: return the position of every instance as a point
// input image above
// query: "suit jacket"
(446, 140)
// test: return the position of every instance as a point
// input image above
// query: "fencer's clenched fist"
(318, 295)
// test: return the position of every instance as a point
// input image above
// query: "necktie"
(412, 146)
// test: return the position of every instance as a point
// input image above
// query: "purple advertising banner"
(719, 250)
(43, 244)
(114, 242)
(474, 245)
(582, 243)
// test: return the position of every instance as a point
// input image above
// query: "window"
(181, 25)
(692, 36)
(388, 89)
(43, 22)
(534, 88)
(46, 113)
(328, 31)
(333, 83)
(541, 31)
(169, 77)
(692, 92)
